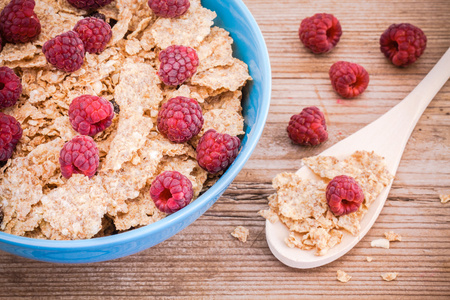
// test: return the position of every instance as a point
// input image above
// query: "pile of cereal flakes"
(36, 200)
(301, 204)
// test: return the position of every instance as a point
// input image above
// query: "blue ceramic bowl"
(249, 46)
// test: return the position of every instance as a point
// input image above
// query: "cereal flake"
(241, 233)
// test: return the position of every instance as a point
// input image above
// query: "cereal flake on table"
(369, 258)
(444, 198)
(241, 233)
(36, 200)
(389, 276)
(392, 236)
(380, 243)
(342, 276)
(301, 204)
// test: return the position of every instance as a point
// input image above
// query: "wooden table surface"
(205, 261)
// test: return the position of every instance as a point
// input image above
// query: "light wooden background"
(204, 261)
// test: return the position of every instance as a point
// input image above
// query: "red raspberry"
(178, 63)
(19, 23)
(216, 151)
(95, 34)
(1, 215)
(344, 195)
(180, 119)
(89, 4)
(308, 128)
(10, 87)
(171, 191)
(348, 79)
(90, 115)
(79, 156)
(1, 43)
(403, 43)
(320, 33)
(65, 51)
(169, 8)
(10, 134)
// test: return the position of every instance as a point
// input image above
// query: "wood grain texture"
(204, 261)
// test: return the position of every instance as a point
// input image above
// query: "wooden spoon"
(387, 137)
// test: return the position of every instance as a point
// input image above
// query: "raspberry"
(1, 215)
(171, 191)
(90, 115)
(344, 195)
(10, 134)
(19, 23)
(403, 43)
(89, 4)
(348, 79)
(216, 151)
(1, 43)
(79, 156)
(320, 33)
(10, 87)
(95, 34)
(169, 8)
(308, 128)
(178, 63)
(65, 51)
(180, 119)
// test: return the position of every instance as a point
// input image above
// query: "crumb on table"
(241, 233)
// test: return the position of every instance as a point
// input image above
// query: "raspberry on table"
(180, 119)
(19, 23)
(95, 34)
(89, 4)
(79, 156)
(320, 33)
(217, 151)
(65, 51)
(308, 128)
(403, 43)
(10, 134)
(90, 114)
(348, 79)
(178, 63)
(10, 87)
(171, 191)
(169, 8)
(344, 195)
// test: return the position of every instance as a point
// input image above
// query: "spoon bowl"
(387, 136)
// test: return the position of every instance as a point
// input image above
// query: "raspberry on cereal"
(65, 51)
(19, 23)
(10, 87)
(403, 43)
(90, 115)
(95, 34)
(169, 8)
(217, 151)
(10, 134)
(89, 4)
(348, 79)
(79, 156)
(178, 63)
(320, 33)
(308, 128)
(180, 119)
(344, 195)
(171, 191)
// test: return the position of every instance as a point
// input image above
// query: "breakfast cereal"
(392, 236)
(36, 200)
(301, 204)
(241, 233)
(342, 276)
(380, 243)
(389, 276)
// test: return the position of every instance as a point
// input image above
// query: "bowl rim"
(222, 184)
